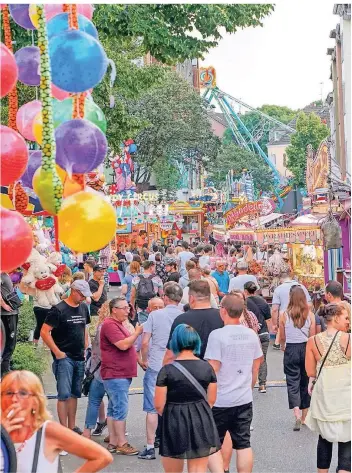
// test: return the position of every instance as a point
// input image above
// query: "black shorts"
(237, 421)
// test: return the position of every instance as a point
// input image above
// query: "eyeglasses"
(21, 394)
(127, 307)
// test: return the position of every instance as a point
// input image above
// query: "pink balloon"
(2, 5)
(59, 94)
(85, 10)
(25, 117)
(52, 10)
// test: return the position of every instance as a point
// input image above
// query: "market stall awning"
(185, 208)
(269, 218)
(306, 220)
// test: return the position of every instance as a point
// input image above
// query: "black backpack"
(145, 291)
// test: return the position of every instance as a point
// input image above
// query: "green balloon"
(62, 112)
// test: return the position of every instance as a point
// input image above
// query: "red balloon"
(59, 94)
(8, 71)
(13, 155)
(16, 240)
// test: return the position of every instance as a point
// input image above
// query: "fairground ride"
(245, 136)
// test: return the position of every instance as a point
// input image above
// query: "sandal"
(111, 448)
(297, 426)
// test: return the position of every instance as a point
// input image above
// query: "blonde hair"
(78, 275)
(29, 381)
(135, 267)
(103, 312)
(347, 306)
(66, 276)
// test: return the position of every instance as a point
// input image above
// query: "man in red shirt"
(118, 367)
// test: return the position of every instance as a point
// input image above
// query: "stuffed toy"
(54, 261)
(39, 277)
(34, 257)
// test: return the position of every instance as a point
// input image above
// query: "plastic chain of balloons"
(48, 144)
(13, 99)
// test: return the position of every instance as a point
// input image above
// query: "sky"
(282, 63)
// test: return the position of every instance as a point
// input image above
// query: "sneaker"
(77, 430)
(251, 428)
(127, 449)
(297, 425)
(157, 442)
(107, 439)
(63, 453)
(262, 389)
(111, 448)
(99, 428)
(276, 346)
(147, 454)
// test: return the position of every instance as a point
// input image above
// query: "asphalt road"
(276, 447)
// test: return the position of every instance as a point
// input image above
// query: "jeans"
(263, 369)
(149, 383)
(117, 390)
(69, 375)
(10, 327)
(95, 396)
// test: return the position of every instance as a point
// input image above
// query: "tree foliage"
(309, 130)
(234, 157)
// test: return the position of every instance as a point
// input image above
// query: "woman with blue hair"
(185, 392)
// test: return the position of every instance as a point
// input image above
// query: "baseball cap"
(81, 286)
(98, 267)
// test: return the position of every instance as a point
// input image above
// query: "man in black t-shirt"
(261, 310)
(201, 317)
(172, 273)
(64, 332)
(98, 289)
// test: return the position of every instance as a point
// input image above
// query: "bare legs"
(174, 465)
(66, 411)
(151, 426)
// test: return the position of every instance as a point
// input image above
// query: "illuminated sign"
(261, 207)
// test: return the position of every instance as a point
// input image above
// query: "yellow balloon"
(86, 222)
(33, 15)
(38, 128)
(43, 186)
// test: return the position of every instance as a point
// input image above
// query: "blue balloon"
(78, 61)
(59, 24)
(132, 148)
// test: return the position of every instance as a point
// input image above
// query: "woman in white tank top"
(26, 419)
(297, 324)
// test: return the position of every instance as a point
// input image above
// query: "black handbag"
(88, 380)
(13, 300)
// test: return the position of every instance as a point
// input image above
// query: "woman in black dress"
(188, 429)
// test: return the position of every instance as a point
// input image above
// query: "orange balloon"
(72, 185)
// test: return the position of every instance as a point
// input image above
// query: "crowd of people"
(199, 328)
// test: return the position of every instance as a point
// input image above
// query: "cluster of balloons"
(78, 63)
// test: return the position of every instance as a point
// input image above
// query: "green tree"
(167, 175)
(234, 157)
(309, 130)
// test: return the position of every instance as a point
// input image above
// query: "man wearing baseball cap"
(64, 332)
(98, 289)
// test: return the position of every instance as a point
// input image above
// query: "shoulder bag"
(191, 379)
(325, 357)
(36, 450)
(88, 380)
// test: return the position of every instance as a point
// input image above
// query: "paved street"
(276, 447)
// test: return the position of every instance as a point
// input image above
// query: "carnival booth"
(193, 218)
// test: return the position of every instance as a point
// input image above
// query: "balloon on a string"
(34, 161)
(16, 240)
(60, 24)
(59, 94)
(25, 118)
(8, 70)
(78, 61)
(13, 155)
(79, 218)
(62, 112)
(28, 62)
(43, 186)
(20, 15)
(37, 128)
(132, 148)
(80, 146)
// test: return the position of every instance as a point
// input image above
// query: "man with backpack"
(145, 287)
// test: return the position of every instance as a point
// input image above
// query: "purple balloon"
(20, 15)
(28, 62)
(34, 161)
(80, 146)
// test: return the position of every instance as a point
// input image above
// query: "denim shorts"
(149, 383)
(117, 391)
(69, 375)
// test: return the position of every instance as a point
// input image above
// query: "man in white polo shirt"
(235, 354)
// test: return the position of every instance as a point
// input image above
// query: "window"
(273, 158)
(285, 160)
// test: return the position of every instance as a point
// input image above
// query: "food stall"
(193, 218)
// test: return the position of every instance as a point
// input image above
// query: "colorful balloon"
(86, 222)
(51, 10)
(25, 118)
(59, 94)
(80, 146)
(13, 155)
(78, 61)
(42, 186)
(16, 240)
(85, 10)
(34, 161)
(62, 112)
(28, 62)
(8, 71)
(37, 128)
(132, 148)
(20, 15)
(60, 24)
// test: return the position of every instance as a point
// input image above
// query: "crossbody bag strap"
(327, 354)
(38, 440)
(96, 368)
(191, 379)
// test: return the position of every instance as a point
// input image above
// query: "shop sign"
(309, 236)
(317, 168)
(260, 207)
(242, 236)
(166, 226)
(219, 236)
